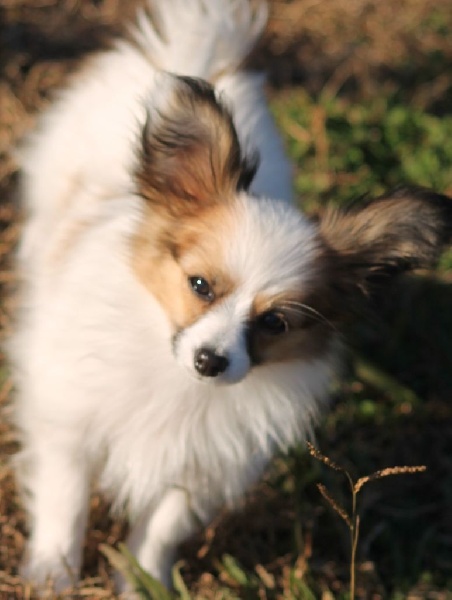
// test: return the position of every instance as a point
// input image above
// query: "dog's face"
(236, 285)
(246, 281)
(244, 275)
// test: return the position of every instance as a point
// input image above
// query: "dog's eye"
(201, 287)
(273, 323)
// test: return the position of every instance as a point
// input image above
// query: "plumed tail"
(199, 38)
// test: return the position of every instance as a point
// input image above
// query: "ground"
(362, 91)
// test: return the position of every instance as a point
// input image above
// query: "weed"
(352, 519)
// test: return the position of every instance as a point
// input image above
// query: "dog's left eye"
(201, 287)
(273, 323)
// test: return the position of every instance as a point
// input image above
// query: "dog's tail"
(200, 38)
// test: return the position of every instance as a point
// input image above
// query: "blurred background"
(362, 92)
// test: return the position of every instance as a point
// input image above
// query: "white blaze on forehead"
(271, 247)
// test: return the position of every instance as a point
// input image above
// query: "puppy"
(179, 314)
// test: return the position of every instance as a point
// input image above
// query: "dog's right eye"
(201, 287)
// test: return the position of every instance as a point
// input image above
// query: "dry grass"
(351, 517)
(349, 46)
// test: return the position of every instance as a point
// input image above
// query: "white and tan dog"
(178, 318)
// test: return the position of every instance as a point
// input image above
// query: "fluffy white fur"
(101, 394)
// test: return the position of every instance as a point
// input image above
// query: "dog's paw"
(48, 575)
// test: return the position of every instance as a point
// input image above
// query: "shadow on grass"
(410, 338)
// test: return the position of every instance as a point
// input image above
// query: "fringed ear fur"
(190, 157)
(367, 244)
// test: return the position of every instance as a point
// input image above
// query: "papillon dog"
(179, 315)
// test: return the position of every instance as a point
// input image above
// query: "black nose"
(209, 364)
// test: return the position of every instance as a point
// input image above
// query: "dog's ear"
(367, 244)
(190, 157)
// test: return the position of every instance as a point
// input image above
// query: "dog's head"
(246, 281)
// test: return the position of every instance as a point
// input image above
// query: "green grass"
(344, 149)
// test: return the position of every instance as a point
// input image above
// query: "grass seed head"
(334, 504)
(385, 472)
(327, 461)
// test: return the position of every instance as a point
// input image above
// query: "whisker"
(306, 310)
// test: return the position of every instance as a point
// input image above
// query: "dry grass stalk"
(353, 521)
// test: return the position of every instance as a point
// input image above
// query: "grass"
(347, 149)
(362, 92)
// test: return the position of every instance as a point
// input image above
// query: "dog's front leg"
(56, 484)
(155, 536)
